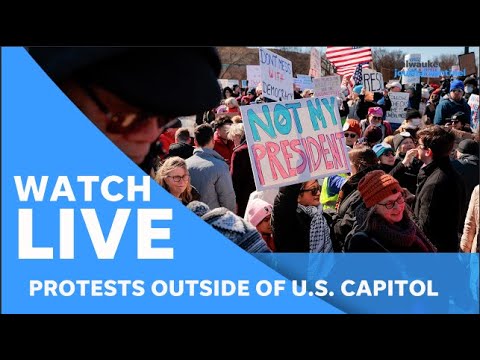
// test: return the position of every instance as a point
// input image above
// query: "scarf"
(319, 237)
(402, 235)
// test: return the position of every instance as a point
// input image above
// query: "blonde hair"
(231, 101)
(167, 166)
(236, 129)
(237, 119)
(389, 140)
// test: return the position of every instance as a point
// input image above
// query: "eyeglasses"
(352, 135)
(122, 123)
(389, 205)
(313, 191)
(177, 178)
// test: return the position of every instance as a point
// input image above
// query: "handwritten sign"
(254, 76)
(315, 63)
(473, 102)
(414, 67)
(277, 78)
(327, 85)
(303, 82)
(372, 80)
(397, 112)
(294, 141)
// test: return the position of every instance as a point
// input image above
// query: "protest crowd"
(411, 149)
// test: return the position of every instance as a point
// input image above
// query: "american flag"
(345, 59)
(357, 76)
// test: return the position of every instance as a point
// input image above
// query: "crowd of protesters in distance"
(413, 186)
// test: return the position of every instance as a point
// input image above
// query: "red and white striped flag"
(345, 59)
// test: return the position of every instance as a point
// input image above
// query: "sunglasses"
(122, 123)
(377, 117)
(313, 191)
(352, 135)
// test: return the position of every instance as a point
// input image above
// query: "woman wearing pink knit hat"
(383, 222)
(259, 215)
(375, 116)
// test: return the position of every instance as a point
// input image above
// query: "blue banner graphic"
(85, 230)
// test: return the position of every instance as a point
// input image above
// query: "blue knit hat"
(456, 84)
(236, 229)
(358, 89)
(380, 149)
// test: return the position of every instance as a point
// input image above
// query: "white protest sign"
(189, 122)
(412, 69)
(303, 82)
(254, 76)
(277, 78)
(327, 85)
(294, 141)
(315, 63)
(372, 80)
(473, 102)
(397, 112)
(226, 82)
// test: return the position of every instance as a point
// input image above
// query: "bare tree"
(391, 60)
(234, 59)
(446, 61)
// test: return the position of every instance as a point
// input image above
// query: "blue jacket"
(447, 108)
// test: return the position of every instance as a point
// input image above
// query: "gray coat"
(210, 175)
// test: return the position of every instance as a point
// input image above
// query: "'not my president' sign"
(294, 141)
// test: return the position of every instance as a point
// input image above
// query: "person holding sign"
(370, 99)
(297, 220)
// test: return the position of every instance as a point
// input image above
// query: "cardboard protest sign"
(254, 76)
(315, 63)
(467, 62)
(294, 141)
(473, 102)
(327, 85)
(397, 112)
(372, 80)
(277, 78)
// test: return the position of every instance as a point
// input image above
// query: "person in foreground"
(131, 93)
(383, 222)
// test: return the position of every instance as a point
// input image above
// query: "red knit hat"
(353, 126)
(376, 186)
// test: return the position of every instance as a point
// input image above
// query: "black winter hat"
(469, 147)
(147, 77)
